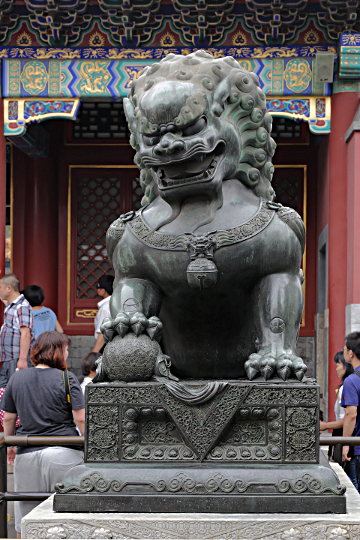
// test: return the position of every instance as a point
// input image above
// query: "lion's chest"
(177, 268)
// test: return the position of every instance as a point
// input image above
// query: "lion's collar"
(219, 238)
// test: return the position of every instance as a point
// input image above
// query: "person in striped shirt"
(16, 334)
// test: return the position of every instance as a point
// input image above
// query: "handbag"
(67, 386)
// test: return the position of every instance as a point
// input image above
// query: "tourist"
(44, 318)
(88, 368)
(343, 370)
(351, 397)
(39, 397)
(104, 289)
(16, 334)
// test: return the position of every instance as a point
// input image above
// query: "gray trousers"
(40, 471)
(7, 369)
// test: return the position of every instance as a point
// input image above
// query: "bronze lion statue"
(210, 265)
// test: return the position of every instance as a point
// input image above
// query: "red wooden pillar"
(353, 225)
(19, 203)
(343, 108)
(2, 190)
(41, 228)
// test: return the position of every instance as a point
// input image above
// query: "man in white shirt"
(104, 289)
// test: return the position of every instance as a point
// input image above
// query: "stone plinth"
(43, 522)
(204, 446)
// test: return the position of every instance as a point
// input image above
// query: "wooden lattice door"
(97, 196)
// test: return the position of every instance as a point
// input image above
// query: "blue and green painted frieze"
(111, 78)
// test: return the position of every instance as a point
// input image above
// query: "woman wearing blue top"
(44, 318)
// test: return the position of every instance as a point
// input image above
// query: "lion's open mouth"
(169, 176)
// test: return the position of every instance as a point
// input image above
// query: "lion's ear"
(221, 94)
(130, 114)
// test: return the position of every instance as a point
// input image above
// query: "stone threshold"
(43, 522)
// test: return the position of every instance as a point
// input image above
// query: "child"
(88, 368)
(44, 318)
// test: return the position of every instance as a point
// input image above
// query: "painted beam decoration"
(349, 56)
(151, 53)
(49, 83)
(315, 111)
(18, 113)
(287, 71)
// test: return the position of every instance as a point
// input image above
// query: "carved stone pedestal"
(202, 446)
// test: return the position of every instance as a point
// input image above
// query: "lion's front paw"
(131, 322)
(267, 363)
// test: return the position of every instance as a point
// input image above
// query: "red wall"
(353, 219)
(344, 107)
(35, 229)
(323, 185)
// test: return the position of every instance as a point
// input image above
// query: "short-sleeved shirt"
(104, 311)
(17, 314)
(38, 397)
(351, 396)
(44, 320)
(339, 411)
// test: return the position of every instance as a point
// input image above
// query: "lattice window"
(286, 190)
(99, 123)
(288, 183)
(98, 207)
(289, 131)
(99, 196)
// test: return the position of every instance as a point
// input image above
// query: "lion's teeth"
(205, 175)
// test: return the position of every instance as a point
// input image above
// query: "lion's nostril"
(178, 146)
(157, 151)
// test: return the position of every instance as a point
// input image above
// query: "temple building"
(66, 165)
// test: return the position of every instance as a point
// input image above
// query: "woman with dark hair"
(343, 370)
(49, 401)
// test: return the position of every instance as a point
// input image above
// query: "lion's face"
(188, 154)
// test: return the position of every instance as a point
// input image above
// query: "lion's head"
(196, 121)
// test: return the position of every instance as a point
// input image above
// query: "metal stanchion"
(3, 489)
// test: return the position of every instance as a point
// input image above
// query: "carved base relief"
(243, 422)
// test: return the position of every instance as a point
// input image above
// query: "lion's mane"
(232, 93)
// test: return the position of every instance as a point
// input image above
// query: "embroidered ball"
(130, 358)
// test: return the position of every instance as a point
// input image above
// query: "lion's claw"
(107, 329)
(267, 364)
(299, 368)
(252, 366)
(154, 328)
(131, 322)
(121, 324)
(138, 323)
(284, 367)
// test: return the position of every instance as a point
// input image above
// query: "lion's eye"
(195, 128)
(151, 141)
